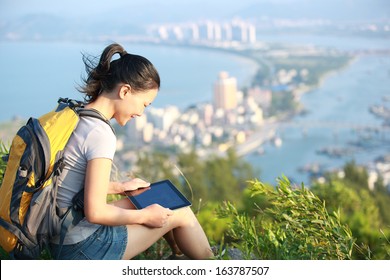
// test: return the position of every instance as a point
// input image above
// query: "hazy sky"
(155, 11)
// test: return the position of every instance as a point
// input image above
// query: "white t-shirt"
(91, 139)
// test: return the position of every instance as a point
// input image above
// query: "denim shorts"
(106, 243)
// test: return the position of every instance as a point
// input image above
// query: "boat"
(277, 141)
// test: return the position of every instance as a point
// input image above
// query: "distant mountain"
(131, 17)
(52, 27)
(312, 9)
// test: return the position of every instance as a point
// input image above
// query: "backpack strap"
(83, 112)
(79, 108)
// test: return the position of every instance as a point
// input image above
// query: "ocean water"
(34, 74)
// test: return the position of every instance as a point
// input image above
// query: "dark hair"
(135, 70)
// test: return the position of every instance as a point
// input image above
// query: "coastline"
(351, 61)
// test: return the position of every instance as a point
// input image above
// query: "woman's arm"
(97, 210)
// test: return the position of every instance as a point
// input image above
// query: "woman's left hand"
(134, 184)
(128, 186)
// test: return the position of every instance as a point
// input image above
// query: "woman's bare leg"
(187, 232)
(170, 238)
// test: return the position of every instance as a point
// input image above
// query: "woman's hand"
(134, 184)
(131, 185)
(156, 216)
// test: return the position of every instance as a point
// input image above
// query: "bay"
(35, 74)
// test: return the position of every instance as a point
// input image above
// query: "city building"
(243, 32)
(163, 118)
(207, 31)
(225, 92)
(135, 129)
(263, 97)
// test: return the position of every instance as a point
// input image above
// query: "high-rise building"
(194, 31)
(227, 34)
(206, 30)
(243, 31)
(225, 92)
(147, 135)
(251, 33)
(208, 112)
(135, 127)
(263, 97)
(163, 118)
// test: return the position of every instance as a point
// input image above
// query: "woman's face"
(133, 105)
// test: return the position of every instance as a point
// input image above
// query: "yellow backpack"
(28, 210)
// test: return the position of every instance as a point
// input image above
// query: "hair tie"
(123, 53)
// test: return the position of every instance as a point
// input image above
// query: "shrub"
(295, 225)
(3, 164)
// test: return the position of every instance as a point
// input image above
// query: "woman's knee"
(184, 217)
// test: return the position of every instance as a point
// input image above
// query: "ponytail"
(130, 69)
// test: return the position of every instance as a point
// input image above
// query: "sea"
(33, 75)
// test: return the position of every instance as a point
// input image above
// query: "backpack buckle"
(59, 166)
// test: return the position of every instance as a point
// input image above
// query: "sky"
(148, 11)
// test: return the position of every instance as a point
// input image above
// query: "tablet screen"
(163, 193)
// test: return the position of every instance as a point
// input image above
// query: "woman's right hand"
(156, 216)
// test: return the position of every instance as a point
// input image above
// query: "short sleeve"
(100, 142)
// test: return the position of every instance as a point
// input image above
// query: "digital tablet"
(163, 193)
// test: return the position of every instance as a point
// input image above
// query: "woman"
(118, 88)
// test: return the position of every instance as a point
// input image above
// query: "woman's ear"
(124, 90)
